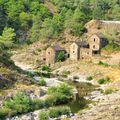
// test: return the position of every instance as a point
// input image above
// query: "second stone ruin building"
(91, 48)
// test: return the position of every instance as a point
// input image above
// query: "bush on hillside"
(65, 74)
(89, 78)
(46, 68)
(60, 56)
(103, 63)
(20, 103)
(104, 80)
(58, 111)
(42, 82)
(43, 116)
(37, 104)
(63, 89)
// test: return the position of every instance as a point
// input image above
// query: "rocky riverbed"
(104, 107)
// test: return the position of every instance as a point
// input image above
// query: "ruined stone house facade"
(96, 43)
(85, 50)
(51, 54)
(78, 50)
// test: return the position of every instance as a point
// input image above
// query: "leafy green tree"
(60, 56)
(68, 19)
(7, 37)
(24, 20)
(97, 13)
(116, 11)
(14, 8)
(35, 30)
(51, 27)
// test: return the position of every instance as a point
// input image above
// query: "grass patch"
(103, 63)
(112, 47)
(42, 82)
(65, 74)
(89, 78)
(54, 112)
(43, 115)
(104, 80)
(109, 91)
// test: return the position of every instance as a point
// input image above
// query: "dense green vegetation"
(42, 82)
(54, 112)
(22, 103)
(29, 21)
(60, 56)
(104, 80)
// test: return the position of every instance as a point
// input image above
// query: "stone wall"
(74, 52)
(85, 53)
(94, 43)
(50, 56)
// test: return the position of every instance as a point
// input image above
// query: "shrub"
(60, 56)
(4, 112)
(89, 78)
(50, 101)
(104, 80)
(20, 103)
(46, 68)
(63, 89)
(66, 73)
(110, 90)
(43, 116)
(61, 93)
(112, 47)
(46, 75)
(42, 82)
(61, 98)
(37, 104)
(58, 111)
(103, 63)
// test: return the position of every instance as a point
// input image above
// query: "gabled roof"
(82, 43)
(57, 48)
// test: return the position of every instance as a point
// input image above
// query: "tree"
(7, 37)
(97, 13)
(51, 27)
(20, 103)
(60, 56)
(24, 20)
(14, 8)
(35, 30)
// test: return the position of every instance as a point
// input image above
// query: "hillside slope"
(9, 73)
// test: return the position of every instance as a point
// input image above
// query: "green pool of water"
(84, 89)
(78, 105)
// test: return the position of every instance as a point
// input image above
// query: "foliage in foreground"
(54, 112)
(21, 103)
